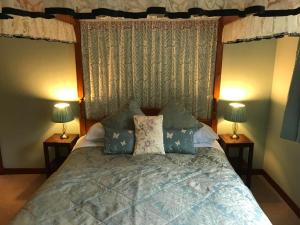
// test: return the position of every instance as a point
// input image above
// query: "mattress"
(94, 188)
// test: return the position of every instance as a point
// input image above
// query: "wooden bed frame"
(85, 124)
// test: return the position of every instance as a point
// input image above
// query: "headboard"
(85, 123)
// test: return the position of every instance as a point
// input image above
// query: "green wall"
(282, 156)
(33, 76)
(247, 75)
(36, 74)
(259, 74)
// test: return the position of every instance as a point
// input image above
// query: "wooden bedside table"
(238, 145)
(58, 144)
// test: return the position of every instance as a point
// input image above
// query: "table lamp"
(235, 112)
(62, 113)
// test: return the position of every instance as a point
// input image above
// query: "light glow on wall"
(230, 93)
(65, 94)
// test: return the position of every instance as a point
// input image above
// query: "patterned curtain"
(38, 28)
(141, 8)
(255, 28)
(149, 61)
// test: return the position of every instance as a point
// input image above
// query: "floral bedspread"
(93, 188)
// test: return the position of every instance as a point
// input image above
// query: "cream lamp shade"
(62, 113)
(235, 112)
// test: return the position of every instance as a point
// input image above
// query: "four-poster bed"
(96, 188)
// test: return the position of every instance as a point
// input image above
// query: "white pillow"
(95, 133)
(149, 135)
(205, 135)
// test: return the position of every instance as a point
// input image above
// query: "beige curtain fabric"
(38, 28)
(150, 61)
(83, 6)
(255, 28)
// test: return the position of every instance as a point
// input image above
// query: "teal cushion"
(124, 118)
(118, 141)
(176, 116)
(179, 141)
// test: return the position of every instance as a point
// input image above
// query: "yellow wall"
(33, 76)
(247, 76)
(281, 156)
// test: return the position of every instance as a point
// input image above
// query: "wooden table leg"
(240, 163)
(47, 160)
(249, 169)
(56, 149)
(226, 150)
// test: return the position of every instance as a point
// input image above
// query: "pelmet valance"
(141, 8)
(38, 28)
(256, 28)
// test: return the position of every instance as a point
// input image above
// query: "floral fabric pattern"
(151, 61)
(139, 6)
(95, 188)
(149, 135)
(38, 29)
(118, 141)
(179, 141)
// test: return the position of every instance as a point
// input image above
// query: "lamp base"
(64, 136)
(234, 130)
(235, 136)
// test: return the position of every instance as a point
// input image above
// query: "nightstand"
(237, 162)
(59, 145)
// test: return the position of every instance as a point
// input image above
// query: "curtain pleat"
(38, 28)
(141, 8)
(256, 28)
(149, 61)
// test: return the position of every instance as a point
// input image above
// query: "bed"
(94, 188)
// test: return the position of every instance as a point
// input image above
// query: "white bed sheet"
(83, 142)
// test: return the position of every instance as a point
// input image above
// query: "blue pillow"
(176, 116)
(124, 118)
(118, 141)
(179, 141)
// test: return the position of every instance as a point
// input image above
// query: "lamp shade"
(236, 112)
(62, 113)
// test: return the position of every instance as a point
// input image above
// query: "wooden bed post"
(218, 71)
(79, 68)
(79, 73)
(1, 164)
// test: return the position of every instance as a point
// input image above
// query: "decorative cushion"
(179, 141)
(205, 135)
(149, 135)
(176, 116)
(124, 118)
(118, 141)
(96, 133)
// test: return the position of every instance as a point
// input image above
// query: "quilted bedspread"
(93, 188)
